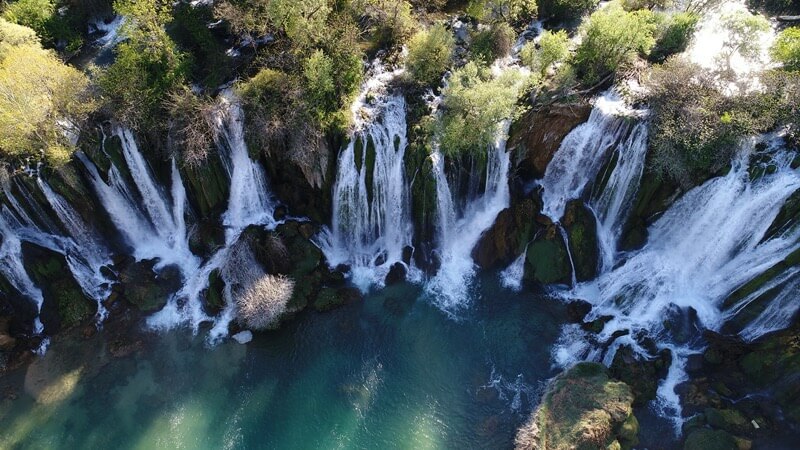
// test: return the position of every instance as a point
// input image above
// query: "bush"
(508, 11)
(390, 20)
(43, 102)
(612, 37)
(191, 127)
(635, 5)
(271, 101)
(696, 129)
(260, 299)
(489, 44)
(564, 10)
(743, 34)
(553, 49)
(475, 105)
(430, 53)
(674, 35)
(786, 49)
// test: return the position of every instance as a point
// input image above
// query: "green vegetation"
(389, 21)
(492, 43)
(696, 127)
(475, 104)
(611, 38)
(43, 102)
(42, 16)
(508, 11)
(786, 49)
(565, 10)
(744, 29)
(553, 49)
(673, 34)
(148, 66)
(430, 53)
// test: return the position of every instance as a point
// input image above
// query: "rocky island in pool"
(552, 224)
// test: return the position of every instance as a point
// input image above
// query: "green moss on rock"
(705, 439)
(547, 262)
(582, 409)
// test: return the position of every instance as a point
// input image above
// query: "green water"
(390, 372)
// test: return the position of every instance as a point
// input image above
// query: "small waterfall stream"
(459, 231)
(13, 269)
(371, 223)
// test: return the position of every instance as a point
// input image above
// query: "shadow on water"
(390, 372)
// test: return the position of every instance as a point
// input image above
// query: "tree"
(495, 42)
(44, 103)
(302, 20)
(191, 128)
(430, 53)
(475, 105)
(55, 29)
(320, 86)
(553, 49)
(612, 37)
(391, 20)
(786, 49)
(564, 10)
(744, 30)
(509, 11)
(674, 35)
(148, 65)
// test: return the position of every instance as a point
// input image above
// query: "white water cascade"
(13, 269)
(511, 277)
(459, 231)
(250, 203)
(371, 223)
(83, 249)
(613, 204)
(150, 221)
(583, 152)
(705, 246)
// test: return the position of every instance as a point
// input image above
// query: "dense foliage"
(475, 105)
(430, 53)
(786, 49)
(44, 103)
(611, 38)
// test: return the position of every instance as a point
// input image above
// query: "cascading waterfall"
(511, 277)
(371, 223)
(250, 203)
(613, 204)
(151, 222)
(705, 246)
(85, 253)
(13, 269)
(459, 232)
(583, 152)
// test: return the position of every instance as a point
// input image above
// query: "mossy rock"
(581, 227)
(214, 294)
(582, 409)
(146, 290)
(65, 304)
(705, 439)
(547, 262)
(642, 374)
(208, 187)
(729, 420)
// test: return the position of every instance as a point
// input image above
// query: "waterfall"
(250, 200)
(583, 152)
(511, 276)
(459, 231)
(13, 269)
(706, 245)
(371, 223)
(84, 252)
(149, 220)
(613, 204)
(250, 203)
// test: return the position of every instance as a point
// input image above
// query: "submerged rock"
(582, 409)
(243, 337)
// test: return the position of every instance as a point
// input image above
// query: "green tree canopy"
(430, 53)
(43, 102)
(612, 37)
(786, 49)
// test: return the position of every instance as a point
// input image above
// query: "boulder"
(147, 290)
(581, 227)
(641, 373)
(508, 236)
(65, 304)
(582, 408)
(547, 261)
(397, 274)
(705, 439)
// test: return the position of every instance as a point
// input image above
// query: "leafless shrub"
(191, 130)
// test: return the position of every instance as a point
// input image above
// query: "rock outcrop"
(582, 409)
